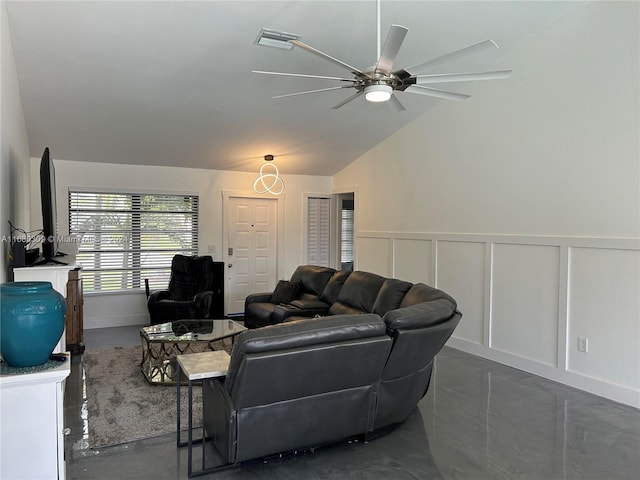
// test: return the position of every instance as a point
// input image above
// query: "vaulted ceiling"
(170, 82)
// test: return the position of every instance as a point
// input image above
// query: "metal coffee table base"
(162, 343)
(159, 359)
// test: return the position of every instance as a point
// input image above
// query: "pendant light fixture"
(269, 180)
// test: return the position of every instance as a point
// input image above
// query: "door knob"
(230, 265)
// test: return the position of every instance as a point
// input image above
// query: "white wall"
(14, 148)
(523, 202)
(130, 309)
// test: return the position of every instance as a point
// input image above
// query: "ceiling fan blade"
(303, 75)
(448, 57)
(391, 47)
(312, 91)
(461, 77)
(395, 104)
(344, 102)
(310, 49)
(432, 92)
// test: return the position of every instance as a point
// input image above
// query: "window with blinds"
(318, 230)
(346, 236)
(125, 238)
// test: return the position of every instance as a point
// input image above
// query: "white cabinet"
(58, 275)
(32, 420)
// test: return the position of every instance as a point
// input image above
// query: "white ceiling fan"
(379, 82)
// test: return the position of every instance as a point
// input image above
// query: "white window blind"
(125, 238)
(346, 236)
(318, 230)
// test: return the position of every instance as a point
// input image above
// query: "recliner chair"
(195, 291)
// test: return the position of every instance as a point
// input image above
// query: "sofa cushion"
(334, 285)
(285, 291)
(190, 275)
(390, 295)
(421, 315)
(306, 297)
(420, 293)
(203, 269)
(282, 312)
(312, 277)
(360, 290)
(339, 308)
(182, 284)
(310, 303)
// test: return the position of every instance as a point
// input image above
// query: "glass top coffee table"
(162, 343)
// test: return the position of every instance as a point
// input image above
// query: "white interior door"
(251, 254)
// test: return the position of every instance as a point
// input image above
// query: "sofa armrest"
(303, 334)
(203, 302)
(262, 297)
(158, 295)
(258, 309)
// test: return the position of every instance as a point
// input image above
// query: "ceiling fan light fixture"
(273, 38)
(378, 93)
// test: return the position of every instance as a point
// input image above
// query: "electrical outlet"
(583, 344)
(212, 250)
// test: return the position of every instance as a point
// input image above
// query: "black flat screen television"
(49, 220)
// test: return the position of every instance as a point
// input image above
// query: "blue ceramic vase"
(31, 322)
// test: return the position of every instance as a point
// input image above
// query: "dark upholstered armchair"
(195, 291)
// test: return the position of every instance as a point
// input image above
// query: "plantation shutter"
(318, 230)
(125, 238)
(346, 236)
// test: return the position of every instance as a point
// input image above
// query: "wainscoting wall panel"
(375, 255)
(524, 304)
(461, 273)
(526, 299)
(604, 303)
(412, 260)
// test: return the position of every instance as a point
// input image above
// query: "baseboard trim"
(115, 321)
(611, 391)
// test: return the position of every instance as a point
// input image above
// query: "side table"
(198, 366)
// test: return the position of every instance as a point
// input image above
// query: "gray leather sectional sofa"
(306, 382)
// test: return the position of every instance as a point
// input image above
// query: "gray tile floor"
(479, 420)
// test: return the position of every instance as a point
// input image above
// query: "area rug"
(122, 406)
